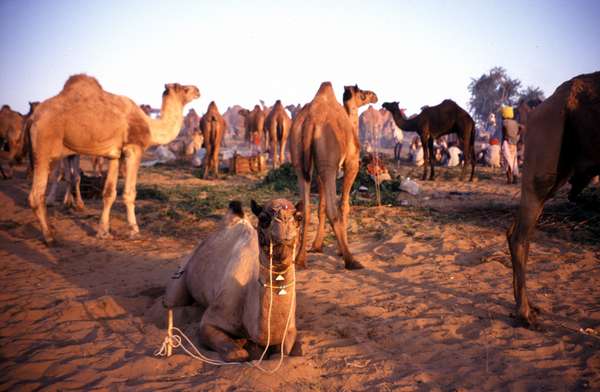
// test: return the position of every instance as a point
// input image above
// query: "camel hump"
(583, 90)
(5, 107)
(81, 81)
(325, 91)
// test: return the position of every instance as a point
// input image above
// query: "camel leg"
(425, 158)
(37, 197)
(282, 144)
(207, 160)
(288, 344)
(336, 219)
(534, 193)
(431, 159)
(318, 243)
(109, 194)
(218, 340)
(305, 192)
(73, 179)
(215, 163)
(518, 240)
(54, 168)
(132, 164)
(68, 176)
(79, 204)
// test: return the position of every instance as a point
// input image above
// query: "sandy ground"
(432, 310)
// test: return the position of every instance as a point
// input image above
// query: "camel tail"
(307, 149)
(279, 131)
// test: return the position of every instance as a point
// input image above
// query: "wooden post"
(170, 332)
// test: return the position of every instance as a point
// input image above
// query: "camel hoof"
(134, 235)
(104, 235)
(353, 265)
(237, 355)
(79, 207)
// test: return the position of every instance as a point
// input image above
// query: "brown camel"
(212, 125)
(11, 132)
(278, 125)
(436, 121)
(232, 274)
(254, 122)
(85, 119)
(324, 136)
(563, 140)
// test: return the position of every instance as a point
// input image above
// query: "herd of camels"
(563, 138)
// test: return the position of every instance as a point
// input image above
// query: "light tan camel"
(85, 119)
(324, 136)
(229, 273)
(254, 122)
(563, 140)
(11, 131)
(212, 125)
(278, 125)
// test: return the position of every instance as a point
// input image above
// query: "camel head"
(185, 94)
(32, 106)
(360, 97)
(278, 223)
(394, 107)
(244, 112)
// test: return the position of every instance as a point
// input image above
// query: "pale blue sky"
(416, 52)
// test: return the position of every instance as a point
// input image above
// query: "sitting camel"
(278, 125)
(563, 140)
(245, 278)
(436, 121)
(85, 119)
(11, 132)
(324, 136)
(212, 125)
(254, 122)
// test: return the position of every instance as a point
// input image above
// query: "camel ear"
(235, 207)
(256, 209)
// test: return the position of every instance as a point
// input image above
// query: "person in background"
(510, 138)
(398, 138)
(416, 152)
(454, 153)
(492, 153)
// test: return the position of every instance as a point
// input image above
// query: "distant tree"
(531, 93)
(490, 91)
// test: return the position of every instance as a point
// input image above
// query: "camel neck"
(409, 125)
(166, 128)
(352, 111)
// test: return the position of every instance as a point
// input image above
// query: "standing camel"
(85, 119)
(563, 140)
(254, 122)
(212, 125)
(278, 125)
(436, 121)
(11, 131)
(324, 136)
